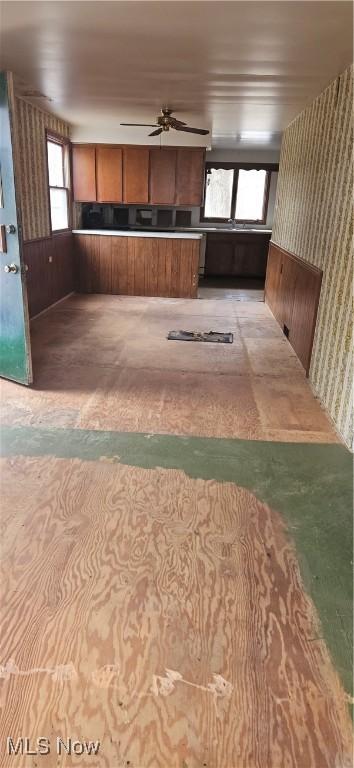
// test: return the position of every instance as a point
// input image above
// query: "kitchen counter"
(134, 263)
(225, 230)
(182, 235)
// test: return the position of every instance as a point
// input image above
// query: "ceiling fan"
(165, 121)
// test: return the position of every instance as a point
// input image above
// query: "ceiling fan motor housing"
(164, 120)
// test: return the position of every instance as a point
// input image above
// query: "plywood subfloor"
(103, 362)
(163, 616)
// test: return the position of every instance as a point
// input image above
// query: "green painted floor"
(309, 484)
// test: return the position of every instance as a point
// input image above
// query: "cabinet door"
(190, 177)
(219, 256)
(136, 175)
(163, 176)
(241, 264)
(177, 273)
(109, 174)
(84, 172)
(250, 255)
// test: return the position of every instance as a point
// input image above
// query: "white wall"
(244, 155)
(271, 201)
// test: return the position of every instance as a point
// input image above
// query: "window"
(251, 188)
(236, 192)
(218, 195)
(58, 183)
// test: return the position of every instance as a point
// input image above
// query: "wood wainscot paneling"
(292, 292)
(50, 270)
(136, 266)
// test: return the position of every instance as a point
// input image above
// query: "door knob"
(10, 229)
(11, 268)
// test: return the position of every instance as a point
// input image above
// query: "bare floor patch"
(162, 615)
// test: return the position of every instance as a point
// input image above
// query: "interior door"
(15, 348)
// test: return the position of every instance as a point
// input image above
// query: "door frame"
(16, 175)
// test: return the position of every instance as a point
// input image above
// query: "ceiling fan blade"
(142, 125)
(176, 122)
(156, 133)
(201, 131)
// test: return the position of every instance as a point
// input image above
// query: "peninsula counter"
(138, 263)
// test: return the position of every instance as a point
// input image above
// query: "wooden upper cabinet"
(109, 174)
(84, 172)
(190, 176)
(163, 176)
(136, 175)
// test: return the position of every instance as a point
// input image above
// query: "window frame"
(64, 142)
(236, 167)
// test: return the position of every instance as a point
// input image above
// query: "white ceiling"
(236, 67)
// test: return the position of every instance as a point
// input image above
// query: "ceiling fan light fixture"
(262, 137)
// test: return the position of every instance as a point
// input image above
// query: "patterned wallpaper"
(31, 124)
(314, 220)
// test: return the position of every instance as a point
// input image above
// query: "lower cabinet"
(236, 254)
(136, 266)
(292, 292)
(219, 257)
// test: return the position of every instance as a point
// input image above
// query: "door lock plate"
(11, 268)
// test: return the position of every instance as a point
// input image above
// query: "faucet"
(235, 225)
